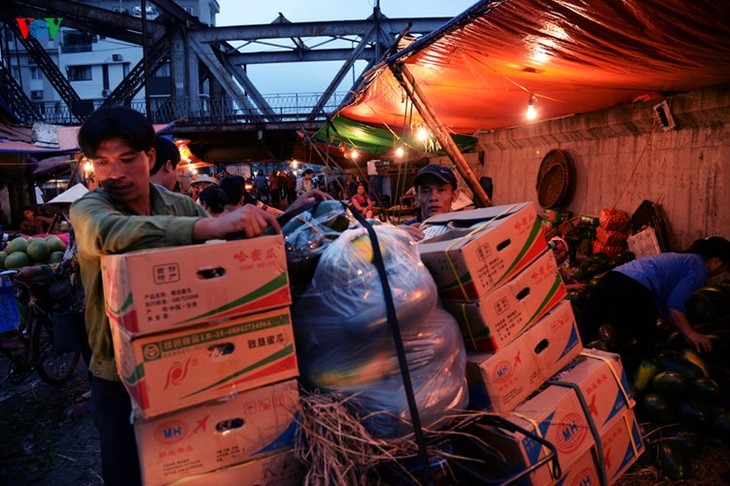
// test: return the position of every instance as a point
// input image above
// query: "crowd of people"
(137, 206)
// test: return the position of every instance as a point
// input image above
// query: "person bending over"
(632, 296)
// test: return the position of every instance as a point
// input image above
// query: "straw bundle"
(337, 449)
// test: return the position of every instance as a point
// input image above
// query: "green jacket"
(104, 227)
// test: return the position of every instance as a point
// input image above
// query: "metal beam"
(178, 13)
(313, 55)
(240, 74)
(316, 29)
(366, 38)
(207, 56)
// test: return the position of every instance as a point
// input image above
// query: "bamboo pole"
(414, 92)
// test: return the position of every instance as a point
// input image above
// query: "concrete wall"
(622, 157)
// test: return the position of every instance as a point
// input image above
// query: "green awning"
(349, 134)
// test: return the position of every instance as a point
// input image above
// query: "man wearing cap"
(197, 186)
(167, 156)
(128, 213)
(435, 192)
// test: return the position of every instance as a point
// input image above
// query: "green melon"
(55, 243)
(17, 245)
(3, 256)
(55, 257)
(38, 250)
(16, 259)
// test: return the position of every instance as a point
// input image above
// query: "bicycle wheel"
(52, 367)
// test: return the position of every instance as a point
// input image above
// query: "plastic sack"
(614, 219)
(610, 237)
(344, 342)
(307, 234)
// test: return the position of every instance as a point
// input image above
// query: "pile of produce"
(683, 397)
(611, 233)
(21, 252)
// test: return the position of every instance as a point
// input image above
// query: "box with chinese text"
(282, 469)
(501, 381)
(168, 288)
(217, 434)
(621, 446)
(483, 249)
(168, 371)
(507, 311)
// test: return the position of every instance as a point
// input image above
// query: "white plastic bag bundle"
(344, 342)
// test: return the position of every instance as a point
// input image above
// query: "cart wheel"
(54, 368)
(58, 369)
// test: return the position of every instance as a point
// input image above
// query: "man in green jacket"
(129, 213)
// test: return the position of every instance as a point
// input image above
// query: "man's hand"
(699, 341)
(35, 274)
(248, 220)
(413, 230)
(308, 198)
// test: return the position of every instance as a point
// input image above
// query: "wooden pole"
(414, 92)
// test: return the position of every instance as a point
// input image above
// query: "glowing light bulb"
(354, 154)
(88, 167)
(531, 112)
(294, 163)
(422, 134)
(399, 152)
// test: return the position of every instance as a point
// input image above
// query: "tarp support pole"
(405, 78)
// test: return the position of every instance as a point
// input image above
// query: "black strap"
(400, 349)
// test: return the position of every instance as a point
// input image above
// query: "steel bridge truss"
(198, 53)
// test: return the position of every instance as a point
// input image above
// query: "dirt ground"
(41, 443)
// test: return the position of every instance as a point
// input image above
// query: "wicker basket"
(555, 180)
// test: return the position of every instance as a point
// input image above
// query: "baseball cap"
(438, 171)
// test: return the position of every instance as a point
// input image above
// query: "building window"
(163, 71)
(36, 94)
(74, 41)
(35, 73)
(79, 73)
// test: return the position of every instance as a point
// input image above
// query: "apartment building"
(93, 64)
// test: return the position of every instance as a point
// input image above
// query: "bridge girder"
(199, 48)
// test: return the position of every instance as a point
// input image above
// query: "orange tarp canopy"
(479, 71)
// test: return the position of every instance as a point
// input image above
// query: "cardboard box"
(168, 371)
(167, 288)
(602, 382)
(506, 312)
(555, 414)
(622, 445)
(282, 469)
(217, 434)
(483, 249)
(583, 402)
(501, 381)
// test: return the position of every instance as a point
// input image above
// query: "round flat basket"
(555, 180)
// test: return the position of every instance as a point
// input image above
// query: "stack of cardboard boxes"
(204, 345)
(496, 275)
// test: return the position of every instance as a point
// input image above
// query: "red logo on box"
(172, 431)
(502, 371)
(571, 432)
